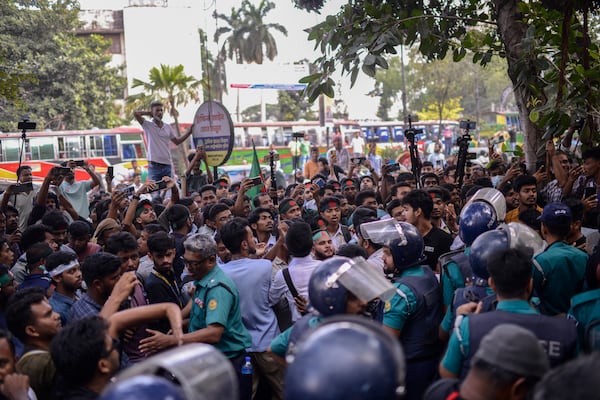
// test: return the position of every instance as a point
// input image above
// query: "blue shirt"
(83, 308)
(62, 305)
(253, 280)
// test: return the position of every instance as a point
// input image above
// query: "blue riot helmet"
(508, 236)
(198, 370)
(346, 357)
(143, 387)
(403, 239)
(335, 277)
(475, 219)
(492, 197)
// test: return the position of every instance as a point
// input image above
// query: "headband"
(286, 206)
(63, 267)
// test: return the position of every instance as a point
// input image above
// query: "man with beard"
(30, 318)
(586, 183)
(253, 280)
(511, 197)
(76, 192)
(215, 316)
(526, 187)
(158, 135)
(107, 287)
(322, 245)
(64, 270)
(162, 286)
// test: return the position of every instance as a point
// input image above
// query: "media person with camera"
(76, 191)
(21, 195)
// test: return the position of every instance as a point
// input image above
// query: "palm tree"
(214, 80)
(249, 37)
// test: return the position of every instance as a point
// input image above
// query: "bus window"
(42, 149)
(110, 146)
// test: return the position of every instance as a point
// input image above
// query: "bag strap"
(288, 282)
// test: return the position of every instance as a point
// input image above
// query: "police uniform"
(455, 272)
(416, 311)
(558, 275)
(285, 342)
(585, 310)
(217, 301)
(486, 294)
(558, 336)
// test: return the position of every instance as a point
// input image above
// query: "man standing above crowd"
(158, 135)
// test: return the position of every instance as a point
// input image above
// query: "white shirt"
(159, 140)
(376, 260)
(300, 270)
(358, 145)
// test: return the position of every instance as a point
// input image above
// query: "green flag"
(254, 172)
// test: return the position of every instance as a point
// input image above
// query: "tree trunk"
(512, 30)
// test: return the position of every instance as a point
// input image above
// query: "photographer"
(76, 192)
(21, 195)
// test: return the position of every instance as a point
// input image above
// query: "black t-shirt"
(437, 242)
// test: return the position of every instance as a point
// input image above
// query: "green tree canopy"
(48, 73)
(551, 56)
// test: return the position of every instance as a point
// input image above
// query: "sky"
(291, 48)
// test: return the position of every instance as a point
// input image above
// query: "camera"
(268, 157)
(160, 185)
(358, 160)
(79, 163)
(468, 125)
(298, 135)
(110, 171)
(24, 187)
(63, 171)
(129, 190)
(25, 125)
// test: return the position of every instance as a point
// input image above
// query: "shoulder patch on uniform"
(388, 306)
(212, 305)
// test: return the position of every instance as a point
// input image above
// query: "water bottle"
(247, 366)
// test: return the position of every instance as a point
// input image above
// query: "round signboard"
(213, 129)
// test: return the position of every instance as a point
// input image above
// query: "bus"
(393, 131)
(119, 146)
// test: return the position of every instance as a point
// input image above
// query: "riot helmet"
(346, 357)
(200, 371)
(476, 218)
(331, 281)
(403, 240)
(508, 236)
(143, 387)
(491, 196)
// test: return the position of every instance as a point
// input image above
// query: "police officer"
(347, 357)
(337, 286)
(510, 277)
(415, 311)
(215, 316)
(482, 213)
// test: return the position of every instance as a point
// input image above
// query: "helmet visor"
(493, 197)
(522, 237)
(363, 280)
(383, 232)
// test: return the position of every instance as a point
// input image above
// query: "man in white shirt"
(158, 135)
(298, 240)
(358, 145)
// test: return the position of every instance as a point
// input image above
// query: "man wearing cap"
(510, 278)
(507, 365)
(559, 271)
(158, 135)
(330, 211)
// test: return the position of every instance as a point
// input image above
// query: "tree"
(214, 79)
(388, 83)
(170, 85)
(451, 109)
(250, 38)
(47, 72)
(547, 46)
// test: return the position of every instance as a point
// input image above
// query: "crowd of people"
(354, 280)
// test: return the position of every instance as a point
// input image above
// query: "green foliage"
(553, 60)
(249, 38)
(56, 78)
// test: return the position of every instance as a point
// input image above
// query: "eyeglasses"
(195, 263)
(114, 346)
